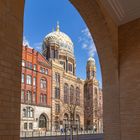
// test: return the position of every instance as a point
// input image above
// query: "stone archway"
(114, 46)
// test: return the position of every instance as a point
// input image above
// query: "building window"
(22, 78)
(42, 70)
(23, 63)
(77, 96)
(57, 78)
(34, 81)
(71, 94)
(63, 64)
(66, 93)
(28, 97)
(25, 126)
(57, 108)
(70, 67)
(24, 112)
(28, 112)
(45, 99)
(41, 98)
(42, 121)
(52, 53)
(56, 54)
(46, 72)
(22, 96)
(34, 97)
(30, 126)
(43, 83)
(29, 65)
(57, 93)
(34, 67)
(28, 79)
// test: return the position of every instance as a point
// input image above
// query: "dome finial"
(57, 27)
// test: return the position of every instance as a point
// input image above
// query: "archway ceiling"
(122, 11)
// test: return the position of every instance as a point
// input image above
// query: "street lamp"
(77, 129)
(65, 128)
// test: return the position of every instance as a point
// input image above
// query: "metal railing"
(24, 134)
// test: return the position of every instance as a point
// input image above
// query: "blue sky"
(40, 18)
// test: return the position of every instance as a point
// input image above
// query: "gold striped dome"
(61, 39)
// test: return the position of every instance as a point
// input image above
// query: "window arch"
(28, 97)
(43, 83)
(71, 94)
(28, 112)
(45, 99)
(43, 121)
(28, 79)
(77, 96)
(34, 97)
(41, 98)
(66, 93)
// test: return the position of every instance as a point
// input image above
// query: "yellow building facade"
(67, 89)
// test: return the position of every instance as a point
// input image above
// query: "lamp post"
(65, 128)
(77, 129)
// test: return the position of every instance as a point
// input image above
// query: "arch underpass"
(118, 47)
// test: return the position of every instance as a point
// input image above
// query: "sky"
(40, 18)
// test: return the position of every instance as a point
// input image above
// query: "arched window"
(57, 93)
(71, 94)
(42, 121)
(29, 79)
(41, 98)
(43, 83)
(28, 112)
(45, 99)
(34, 97)
(77, 96)
(66, 93)
(28, 97)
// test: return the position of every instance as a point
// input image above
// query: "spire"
(57, 27)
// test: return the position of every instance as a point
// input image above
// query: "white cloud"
(26, 42)
(87, 42)
(38, 46)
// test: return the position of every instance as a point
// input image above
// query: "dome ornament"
(57, 27)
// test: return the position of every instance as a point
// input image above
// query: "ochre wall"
(105, 34)
(11, 30)
(129, 54)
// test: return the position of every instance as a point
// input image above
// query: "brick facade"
(35, 89)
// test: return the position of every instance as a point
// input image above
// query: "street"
(80, 137)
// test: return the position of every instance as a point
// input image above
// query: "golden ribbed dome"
(61, 39)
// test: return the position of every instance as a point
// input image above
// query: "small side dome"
(91, 61)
